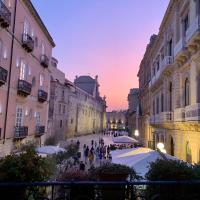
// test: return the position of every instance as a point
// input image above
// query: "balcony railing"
(3, 75)
(40, 130)
(42, 96)
(162, 117)
(24, 88)
(27, 42)
(20, 132)
(179, 46)
(179, 114)
(192, 112)
(44, 60)
(193, 28)
(103, 190)
(5, 15)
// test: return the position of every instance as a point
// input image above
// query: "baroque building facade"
(116, 120)
(25, 51)
(174, 85)
(75, 108)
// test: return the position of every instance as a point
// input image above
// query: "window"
(26, 27)
(185, 24)
(162, 103)
(42, 49)
(72, 121)
(24, 71)
(37, 119)
(63, 109)
(158, 65)
(170, 97)
(60, 123)
(19, 117)
(41, 80)
(188, 153)
(187, 92)
(157, 105)
(63, 94)
(59, 108)
(170, 48)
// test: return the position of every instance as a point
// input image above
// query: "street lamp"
(160, 146)
(136, 133)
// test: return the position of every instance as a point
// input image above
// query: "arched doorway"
(172, 146)
(188, 153)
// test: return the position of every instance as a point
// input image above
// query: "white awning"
(124, 139)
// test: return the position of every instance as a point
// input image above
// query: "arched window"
(187, 92)
(170, 96)
(162, 102)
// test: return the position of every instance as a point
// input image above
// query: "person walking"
(91, 157)
(86, 152)
(82, 166)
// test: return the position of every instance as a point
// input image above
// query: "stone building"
(116, 120)
(144, 76)
(175, 81)
(132, 117)
(25, 50)
(75, 108)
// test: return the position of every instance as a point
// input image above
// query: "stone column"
(193, 83)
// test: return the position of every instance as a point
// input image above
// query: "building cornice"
(39, 20)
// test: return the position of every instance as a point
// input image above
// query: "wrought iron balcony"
(27, 42)
(162, 117)
(20, 132)
(5, 15)
(3, 75)
(44, 61)
(40, 130)
(24, 88)
(42, 96)
(179, 114)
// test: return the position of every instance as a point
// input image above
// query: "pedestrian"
(91, 157)
(78, 143)
(92, 142)
(82, 166)
(86, 152)
(95, 144)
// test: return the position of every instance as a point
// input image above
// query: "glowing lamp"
(136, 133)
(160, 146)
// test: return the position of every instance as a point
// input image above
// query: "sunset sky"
(102, 37)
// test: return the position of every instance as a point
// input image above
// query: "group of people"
(96, 154)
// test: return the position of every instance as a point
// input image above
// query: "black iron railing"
(20, 132)
(44, 60)
(3, 75)
(40, 130)
(24, 87)
(42, 95)
(5, 15)
(95, 190)
(27, 42)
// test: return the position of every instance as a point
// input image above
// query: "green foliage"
(113, 170)
(172, 170)
(26, 167)
(72, 150)
(50, 141)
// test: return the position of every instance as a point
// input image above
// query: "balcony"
(44, 61)
(165, 68)
(193, 34)
(40, 130)
(192, 112)
(27, 42)
(42, 96)
(3, 75)
(179, 114)
(161, 118)
(180, 51)
(20, 132)
(5, 15)
(24, 88)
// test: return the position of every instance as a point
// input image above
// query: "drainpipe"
(10, 68)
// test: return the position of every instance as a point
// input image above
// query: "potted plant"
(113, 172)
